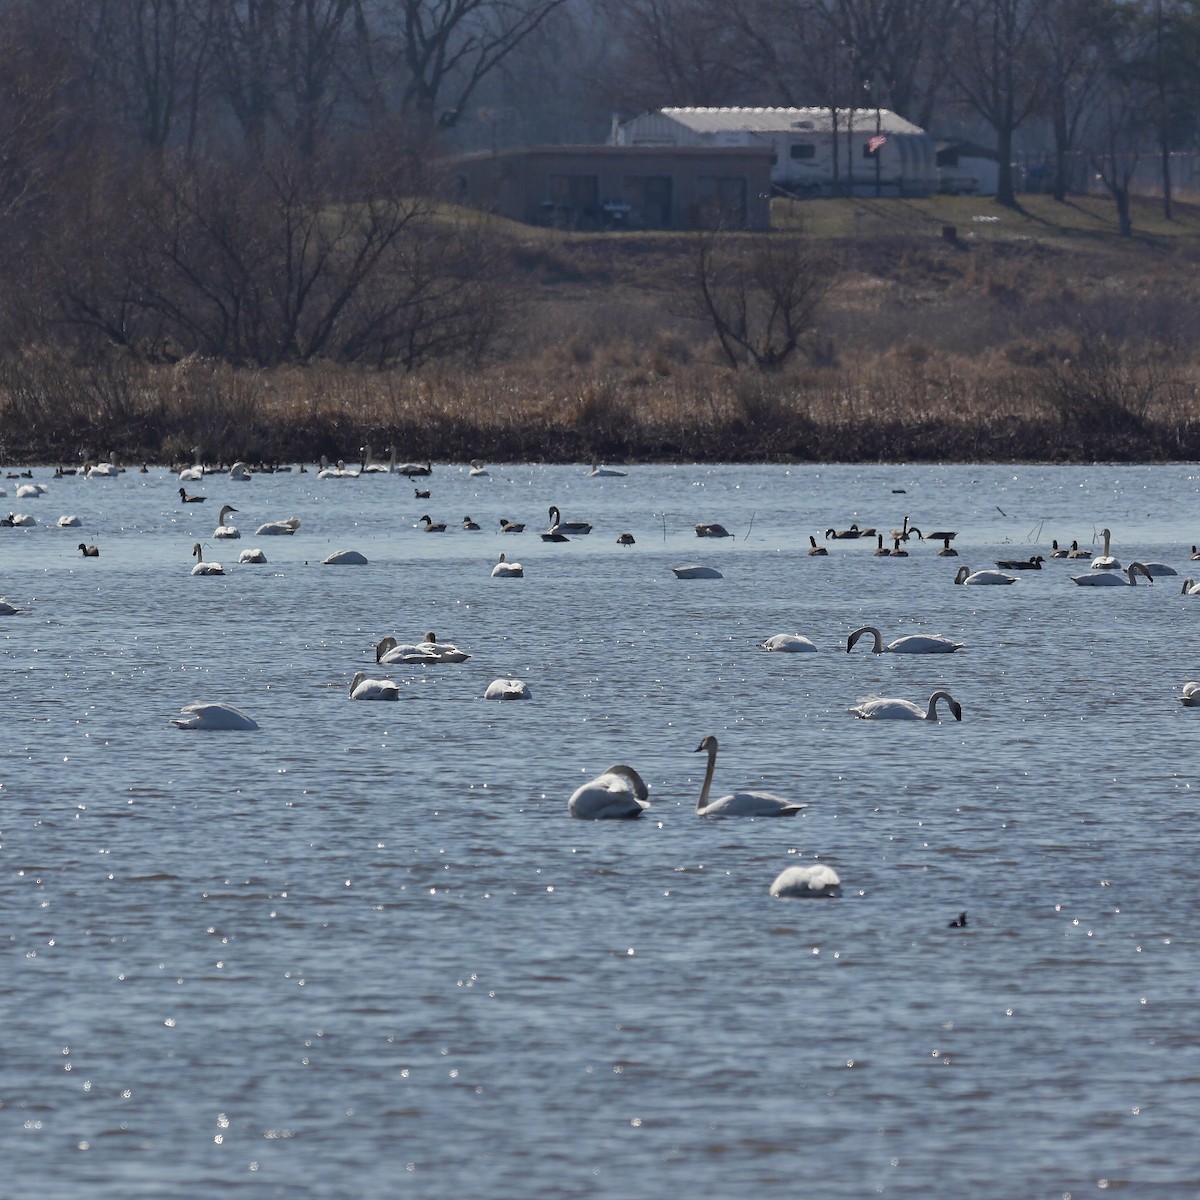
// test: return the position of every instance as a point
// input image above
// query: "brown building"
(619, 187)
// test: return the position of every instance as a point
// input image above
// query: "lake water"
(365, 952)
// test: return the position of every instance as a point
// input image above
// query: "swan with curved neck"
(738, 804)
(202, 567)
(507, 570)
(1116, 579)
(362, 688)
(882, 708)
(789, 643)
(913, 643)
(557, 523)
(619, 793)
(966, 575)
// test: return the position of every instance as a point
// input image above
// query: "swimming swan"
(695, 571)
(507, 689)
(1115, 579)
(738, 804)
(226, 531)
(374, 468)
(69, 521)
(599, 470)
(1191, 695)
(914, 643)
(388, 652)
(345, 558)
(618, 794)
(212, 716)
(507, 570)
(880, 708)
(239, 472)
(278, 528)
(789, 643)
(202, 567)
(252, 555)
(571, 527)
(1105, 561)
(362, 688)
(802, 883)
(966, 575)
(1190, 588)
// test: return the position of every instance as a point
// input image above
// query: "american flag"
(873, 143)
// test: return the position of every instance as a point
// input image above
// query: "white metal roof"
(785, 120)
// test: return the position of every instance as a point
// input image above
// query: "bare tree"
(999, 70)
(760, 292)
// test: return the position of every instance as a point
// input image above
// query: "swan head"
(197, 552)
(385, 644)
(431, 636)
(359, 676)
(226, 509)
(708, 742)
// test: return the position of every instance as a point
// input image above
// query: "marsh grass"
(1036, 341)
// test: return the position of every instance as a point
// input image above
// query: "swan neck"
(702, 802)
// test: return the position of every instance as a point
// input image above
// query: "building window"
(801, 150)
(721, 201)
(574, 201)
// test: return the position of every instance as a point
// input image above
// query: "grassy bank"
(1037, 335)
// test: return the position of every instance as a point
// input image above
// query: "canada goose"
(897, 552)
(852, 532)
(183, 495)
(948, 551)
(467, 523)
(906, 531)
(625, 539)
(712, 530)
(1056, 551)
(1076, 552)
(813, 548)
(421, 495)
(410, 469)
(511, 526)
(89, 551)
(881, 551)
(1022, 564)
(432, 526)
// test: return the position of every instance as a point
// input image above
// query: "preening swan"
(362, 688)
(345, 558)
(239, 472)
(507, 689)
(202, 567)
(1191, 695)
(789, 643)
(69, 521)
(188, 499)
(212, 716)
(252, 555)
(1190, 588)
(738, 804)
(881, 708)
(813, 548)
(223, 530)
(25, 519)
(88, 551)
(599, 470)
(30, 491)
(507, 570)
(913, 643)
(389, 652)
(195, 471)
(278, 528)
(104, 470)
(803, 883)
(618, 794)
(966, 575)
(1115, 579)
(695, 571)
(445, 651)
(711, 529)
(571, 527)
(1105, 561)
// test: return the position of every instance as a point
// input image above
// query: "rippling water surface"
(365, 952)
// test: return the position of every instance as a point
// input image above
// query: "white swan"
(789, 643)
(25, 519)
(278, 528)
(69, 521)
(345, 558)
(374, 468)
(1105, 561)
(226, 531)
(1190, 588)
(388, 652)
(239, 472)
(966, 575)
(340, 471)
(802, 883)
(444, 651)
(1115, 579)
(1158, 570)
(695, 571)
(738, 804)
(507, 689)
(1191, 695)
(913, 643)
(212, 716)
(202, 567)
(477, 467)
(252, 555)
(570, 527)
(362, 688)
(618, 794)
(881, 708)
(104, 470)
(30, 491)
(196, 471)
(507, 570)
(597, 469)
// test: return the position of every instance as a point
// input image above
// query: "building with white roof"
(815, 151)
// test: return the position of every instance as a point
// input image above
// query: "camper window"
(803, 150)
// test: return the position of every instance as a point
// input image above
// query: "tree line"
(255, 180)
